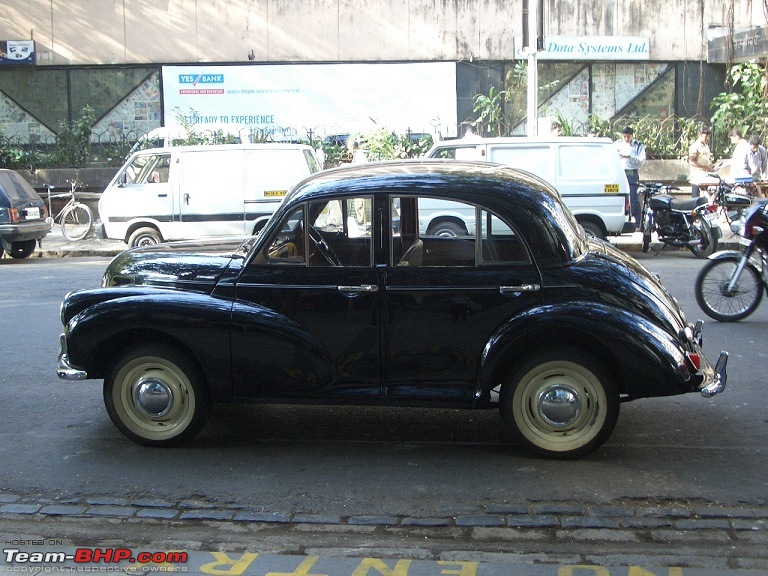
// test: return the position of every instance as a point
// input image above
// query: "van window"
(147, 168)
(585, 163)
(468, 152)
(537, 159)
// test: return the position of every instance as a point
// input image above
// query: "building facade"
(604, 58)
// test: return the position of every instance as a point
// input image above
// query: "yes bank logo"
(195, 79)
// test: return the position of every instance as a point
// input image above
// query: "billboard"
(286, 101)
(17, 52)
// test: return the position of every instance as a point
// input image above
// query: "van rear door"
(269, 174)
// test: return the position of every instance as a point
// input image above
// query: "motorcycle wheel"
(702, 231)
(723, 306)
(647, 229)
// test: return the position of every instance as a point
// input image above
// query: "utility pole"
(533, 42)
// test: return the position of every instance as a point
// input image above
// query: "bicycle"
(76, 218)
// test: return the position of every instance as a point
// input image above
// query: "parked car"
(340, 300)
(23, 215)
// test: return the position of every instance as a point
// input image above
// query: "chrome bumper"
(719, 378)
(64, 369)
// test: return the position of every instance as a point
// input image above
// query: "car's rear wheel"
(560, 404)
(156, 396)
(146, 236)
(22, 249)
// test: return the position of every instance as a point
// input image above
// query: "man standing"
(757, 164)
(740, 151)
(700, 161)
(632, 155)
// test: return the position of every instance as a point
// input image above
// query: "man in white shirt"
(739, 167)
(632, 155)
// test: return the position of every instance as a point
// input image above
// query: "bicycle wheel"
(714, 298)
(76, 222)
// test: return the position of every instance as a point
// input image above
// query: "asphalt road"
(332, 464)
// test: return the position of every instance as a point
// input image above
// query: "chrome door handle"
(370, 288)
(521, 288)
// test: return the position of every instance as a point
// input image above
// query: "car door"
(443, 307)
(142, 191)
(306, 321)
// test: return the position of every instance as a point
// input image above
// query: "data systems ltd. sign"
(17, 52)
(591, 48)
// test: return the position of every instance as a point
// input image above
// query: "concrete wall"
(146, 31)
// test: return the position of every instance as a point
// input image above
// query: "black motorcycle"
(733, 198)
(682, 223)
(730, 286)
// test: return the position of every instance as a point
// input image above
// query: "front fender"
(736, 255)
(644, 359)
(196, 324)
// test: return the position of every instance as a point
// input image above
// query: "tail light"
(13, 214)
(695, 360)
(713, 208)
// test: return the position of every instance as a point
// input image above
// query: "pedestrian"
(757, 165)
(700, 161)
(632, 154)
(739, 167)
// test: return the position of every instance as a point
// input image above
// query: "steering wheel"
(323, 248)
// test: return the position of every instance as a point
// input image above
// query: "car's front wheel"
(560, 404)
(156, 396)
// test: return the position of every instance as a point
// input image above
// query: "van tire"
(21, 249)
(144, 237)
(447, 229)
(592, 229)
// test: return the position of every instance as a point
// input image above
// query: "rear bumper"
(25, 231)
(716, 383)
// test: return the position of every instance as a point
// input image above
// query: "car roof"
(468, 180)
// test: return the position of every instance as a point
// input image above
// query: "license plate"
(711, 217)
(33, 213)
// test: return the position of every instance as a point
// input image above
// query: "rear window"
(17, 189)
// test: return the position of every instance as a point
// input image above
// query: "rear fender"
(644, 359)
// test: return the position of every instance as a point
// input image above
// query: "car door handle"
(521, 288)
(370, 288)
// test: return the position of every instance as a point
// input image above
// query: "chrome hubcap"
(153, 397)
(559, 406)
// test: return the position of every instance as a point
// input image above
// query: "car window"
(288, 246)
(338, 234)
(428, 231)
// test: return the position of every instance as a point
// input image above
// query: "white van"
(586, 172)
(190, 192)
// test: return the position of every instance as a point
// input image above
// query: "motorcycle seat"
(688, 203)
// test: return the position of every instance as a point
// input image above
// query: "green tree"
(745, 106)
(73, 141)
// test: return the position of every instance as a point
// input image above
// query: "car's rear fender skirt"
(643, 358)
(195, 324)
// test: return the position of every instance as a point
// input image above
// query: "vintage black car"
(343, 299)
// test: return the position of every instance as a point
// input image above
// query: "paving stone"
(153, 503)
(105, 501)
(157, 513)
(206, 514)
(409, 521)
(373, 520)
(19, 508)
(526, 521)
(8, 498)
(112, 511)
(480, 520)
(63, 510)
(317, 519)
(589, 522)
(276, 517)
